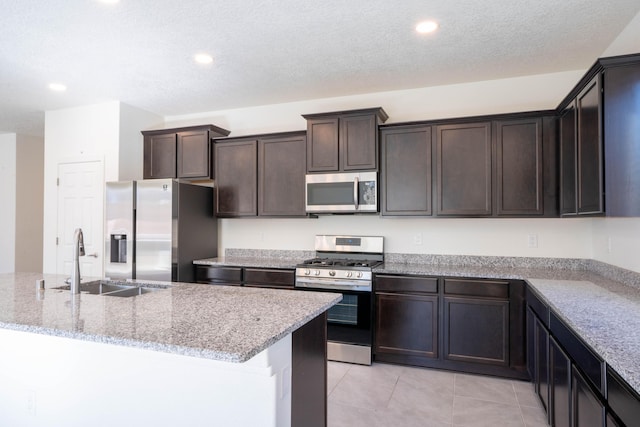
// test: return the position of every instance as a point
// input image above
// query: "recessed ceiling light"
(427, 27)
(203, 58)
(58, 87)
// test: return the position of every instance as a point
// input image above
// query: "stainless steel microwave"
(341, 192)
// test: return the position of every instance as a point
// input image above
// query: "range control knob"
(359, 274)
(349, 273)
(332, 273)
(307, 272)
(317, 272)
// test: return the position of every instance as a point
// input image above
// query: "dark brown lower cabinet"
(218, 275)
(541, 362)
(587, 409)
(559, 386)
(309, 374)
(476, 330)
(467, 325)
(407, 325)
(277, 278)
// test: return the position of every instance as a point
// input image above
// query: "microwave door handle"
(356, 181)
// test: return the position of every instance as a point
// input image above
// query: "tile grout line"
(524, 422)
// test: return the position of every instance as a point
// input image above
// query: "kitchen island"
(185, 355)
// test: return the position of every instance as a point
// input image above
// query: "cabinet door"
(193, 154)
(621, 130)
(218, 275)
(269, 278)
(519, 182)
(358, 142)
(322, 145)
(476, 330)
(588, 411)
(405, 171)
(463, 169)
(159, 156)
(236, 178)
(281, 166)
(407, 325)
(559, 386)
(541, 379)
(568, 150)
(590, 170)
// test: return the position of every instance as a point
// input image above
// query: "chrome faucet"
(78, 251)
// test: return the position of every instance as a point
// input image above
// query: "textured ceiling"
(271, 51)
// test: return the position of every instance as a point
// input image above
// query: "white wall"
(109, 132)
(132, 121)
(539, 92)
(29, 203)
(7, 197)
(628, 41)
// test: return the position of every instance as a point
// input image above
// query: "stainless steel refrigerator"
(155, 228)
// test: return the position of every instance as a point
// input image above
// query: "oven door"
(349, 327)
(349, 321)
(341, 192)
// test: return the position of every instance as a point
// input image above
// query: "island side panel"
(309, 374)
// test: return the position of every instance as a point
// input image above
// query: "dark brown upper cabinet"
(621, 130)
(405, 170)
(568, 151)
(463, 169)
(503, 165)
(343, 141)
(519, 167)
(180, 152)
(590, 161)
(599, 127)
(261, 175)
(236, 178)
(281, 170)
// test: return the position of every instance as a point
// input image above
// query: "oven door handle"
(356, 183)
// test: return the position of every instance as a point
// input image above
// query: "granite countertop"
(226, 323)
(256, 262)
(605, 314)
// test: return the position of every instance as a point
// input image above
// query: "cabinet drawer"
(622, 399)
(591, 365)
(259, 276)
(479, 288)
(538, 307)
(218, 274)
(406, 284)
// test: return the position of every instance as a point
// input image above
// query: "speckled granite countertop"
(605, 314)
(226, 323)
(258, 258)
(234, 261)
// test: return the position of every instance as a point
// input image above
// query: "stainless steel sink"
(99, 287)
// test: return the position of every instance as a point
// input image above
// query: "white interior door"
(80, 205)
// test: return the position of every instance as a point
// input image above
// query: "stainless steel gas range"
(344, 264)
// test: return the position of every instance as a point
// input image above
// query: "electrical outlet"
(417, 239)
(532, 240)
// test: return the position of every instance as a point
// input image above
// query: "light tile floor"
(390, 395)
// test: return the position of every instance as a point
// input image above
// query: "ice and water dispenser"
(118, 248)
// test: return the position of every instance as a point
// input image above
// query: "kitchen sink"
(99, 287)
